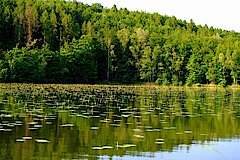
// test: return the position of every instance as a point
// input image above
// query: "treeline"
(57, 41)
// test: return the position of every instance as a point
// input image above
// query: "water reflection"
(116, 122)
(211, 150)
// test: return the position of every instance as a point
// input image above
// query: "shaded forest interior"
(57, 41)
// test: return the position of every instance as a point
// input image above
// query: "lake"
(118, 122)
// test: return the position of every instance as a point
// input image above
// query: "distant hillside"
(57, 41)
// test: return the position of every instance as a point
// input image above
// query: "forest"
(60, 41)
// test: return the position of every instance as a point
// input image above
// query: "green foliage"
(78, 43)
(80, 60)
(24, 65)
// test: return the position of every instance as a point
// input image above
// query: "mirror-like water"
(118, 122)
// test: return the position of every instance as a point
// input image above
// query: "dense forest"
(57, 41)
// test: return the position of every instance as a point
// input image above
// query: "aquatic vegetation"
(92, 118)
(42, 140)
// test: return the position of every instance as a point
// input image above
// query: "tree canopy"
(58, 41)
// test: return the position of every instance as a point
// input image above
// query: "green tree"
(54, 45)
(123, 36)
(110, 56)
(46, 27)
(146, 71)
(80, 60)
(31, 19)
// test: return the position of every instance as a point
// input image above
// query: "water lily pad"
(126, 145)
(67, 125)
(11, 125)
(138, 136)
(27, 138)
(8, 116)
(32, 128)
(159, 139)
(188, 132)
(97, 148)
(20, 140)
(115, 125)
(18, 124)
(179, 133)
(137, 130)
(203, 134)
(107, 147)
(105, 120)
(149, 130)
(125, 116)
(6, 130)
(94, 128)
(166, 128)
(37, 126)
(42, 141)
(32, 123)
(95, 116)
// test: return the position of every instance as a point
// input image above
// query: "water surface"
(118, 122)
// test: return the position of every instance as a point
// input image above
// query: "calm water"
(118, 122)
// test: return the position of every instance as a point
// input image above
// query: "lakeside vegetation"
(57, 41)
